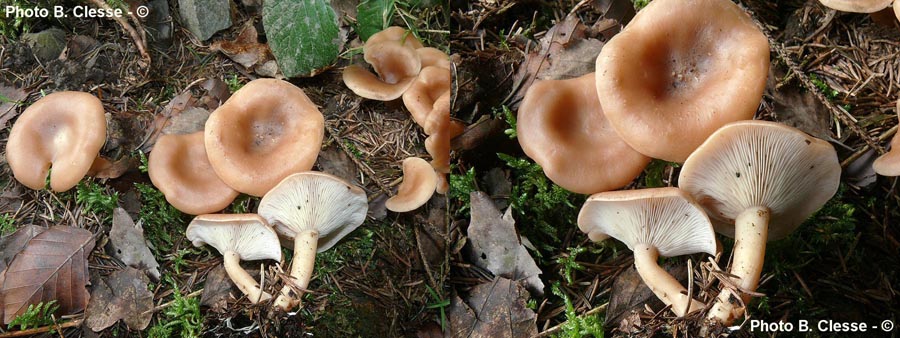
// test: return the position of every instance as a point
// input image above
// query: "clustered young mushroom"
(63, 131)
(889, 163)
(421, 76)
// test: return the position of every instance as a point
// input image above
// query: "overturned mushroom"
(179, 168)
(652, 222)
(316, 210)
(237, 237)
(758, 181)
(562, 127)
(679, 71)
(419, 183)
(264, 132)
(63, 130)
(889, 163)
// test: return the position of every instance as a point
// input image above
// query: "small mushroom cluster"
(680, 83)
(267, 130)
(421, 76)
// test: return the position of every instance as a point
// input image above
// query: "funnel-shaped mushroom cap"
(562, 127)
(64, 130)
(889, 164)
(248, 235)
(433, 57)
(315, 201)
(857, 6)
(394, 34)
(397, 67)
(419, 183)
(761, 164)
(680, 70)
(266, 131)
(665, 218)
(422, 97)
(179, 168)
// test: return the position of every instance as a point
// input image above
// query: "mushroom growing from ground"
(680, 70)
(63, 131)
(758, 181)
(419, 183)
(652, 222)
(237, 237)
(889, 163)
(561, 126)
(179, 168)
(316, 210)
(392, 55)
(264, 132)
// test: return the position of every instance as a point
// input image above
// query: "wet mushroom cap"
(761, 164)
(680, 70)
(63, 130)
(422, 96)
(561, 126)
(248, 235)
(665, 218)
(857, 6)
(418, 185)
(179, 168)
(265, 131)
(315, 201)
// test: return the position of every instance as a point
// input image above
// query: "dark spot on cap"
(738, 175)
(808, 142)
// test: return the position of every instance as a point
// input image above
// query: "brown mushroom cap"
(750, 164)
(179, 168)
(897, 9)
(562, 127)
(64, 130)
(857, 6)
(889, 163)
(419, 183)
(421, 98)
(431, 56)
(394, 34)
(396, 65)
(264, 132)
(680, 70)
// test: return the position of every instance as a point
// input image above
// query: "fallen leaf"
(14, 243)
(860, 172)
(797, 107)
(175, 106)
(11, 198)
(377, 209)
(127, 243)
(335, 161)
(217, 289)
(629, 293)
(217, 92)
(492, 310)
(498, 186)
(123, 295)
(189, 121)
(245, 49)
(496, 246)
(52, 266)
(113, 169)
(10, 98)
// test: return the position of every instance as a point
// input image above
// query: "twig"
(42, 329)
(555, 329)
(138, 40)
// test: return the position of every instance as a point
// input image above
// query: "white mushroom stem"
(666, 287)
(242, 279)
(305, 245)
(751, 232)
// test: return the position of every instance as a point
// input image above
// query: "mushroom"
(758, 181)
(392, 54)
(179, 168)
(237, 237)
(431, 56)
(419, 183)
(562, 127)
(63, 130)
(889, 163)
(652, 222)
(421, 99)
(264, 132)
(316, 210)
(679, 71)
(857, 6)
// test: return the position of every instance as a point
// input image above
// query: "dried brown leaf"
(496, 246)
(52, 266)
(122, 295)
(216, 290)
(629, 293)
(492, 310)
(10, 98)
(335, 161)
(245, 49)
(14, 243)
(126, 239)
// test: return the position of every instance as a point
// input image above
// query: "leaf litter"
(123, 295)
(126, 239)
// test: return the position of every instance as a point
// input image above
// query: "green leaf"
(303, 35)
(373, 16)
